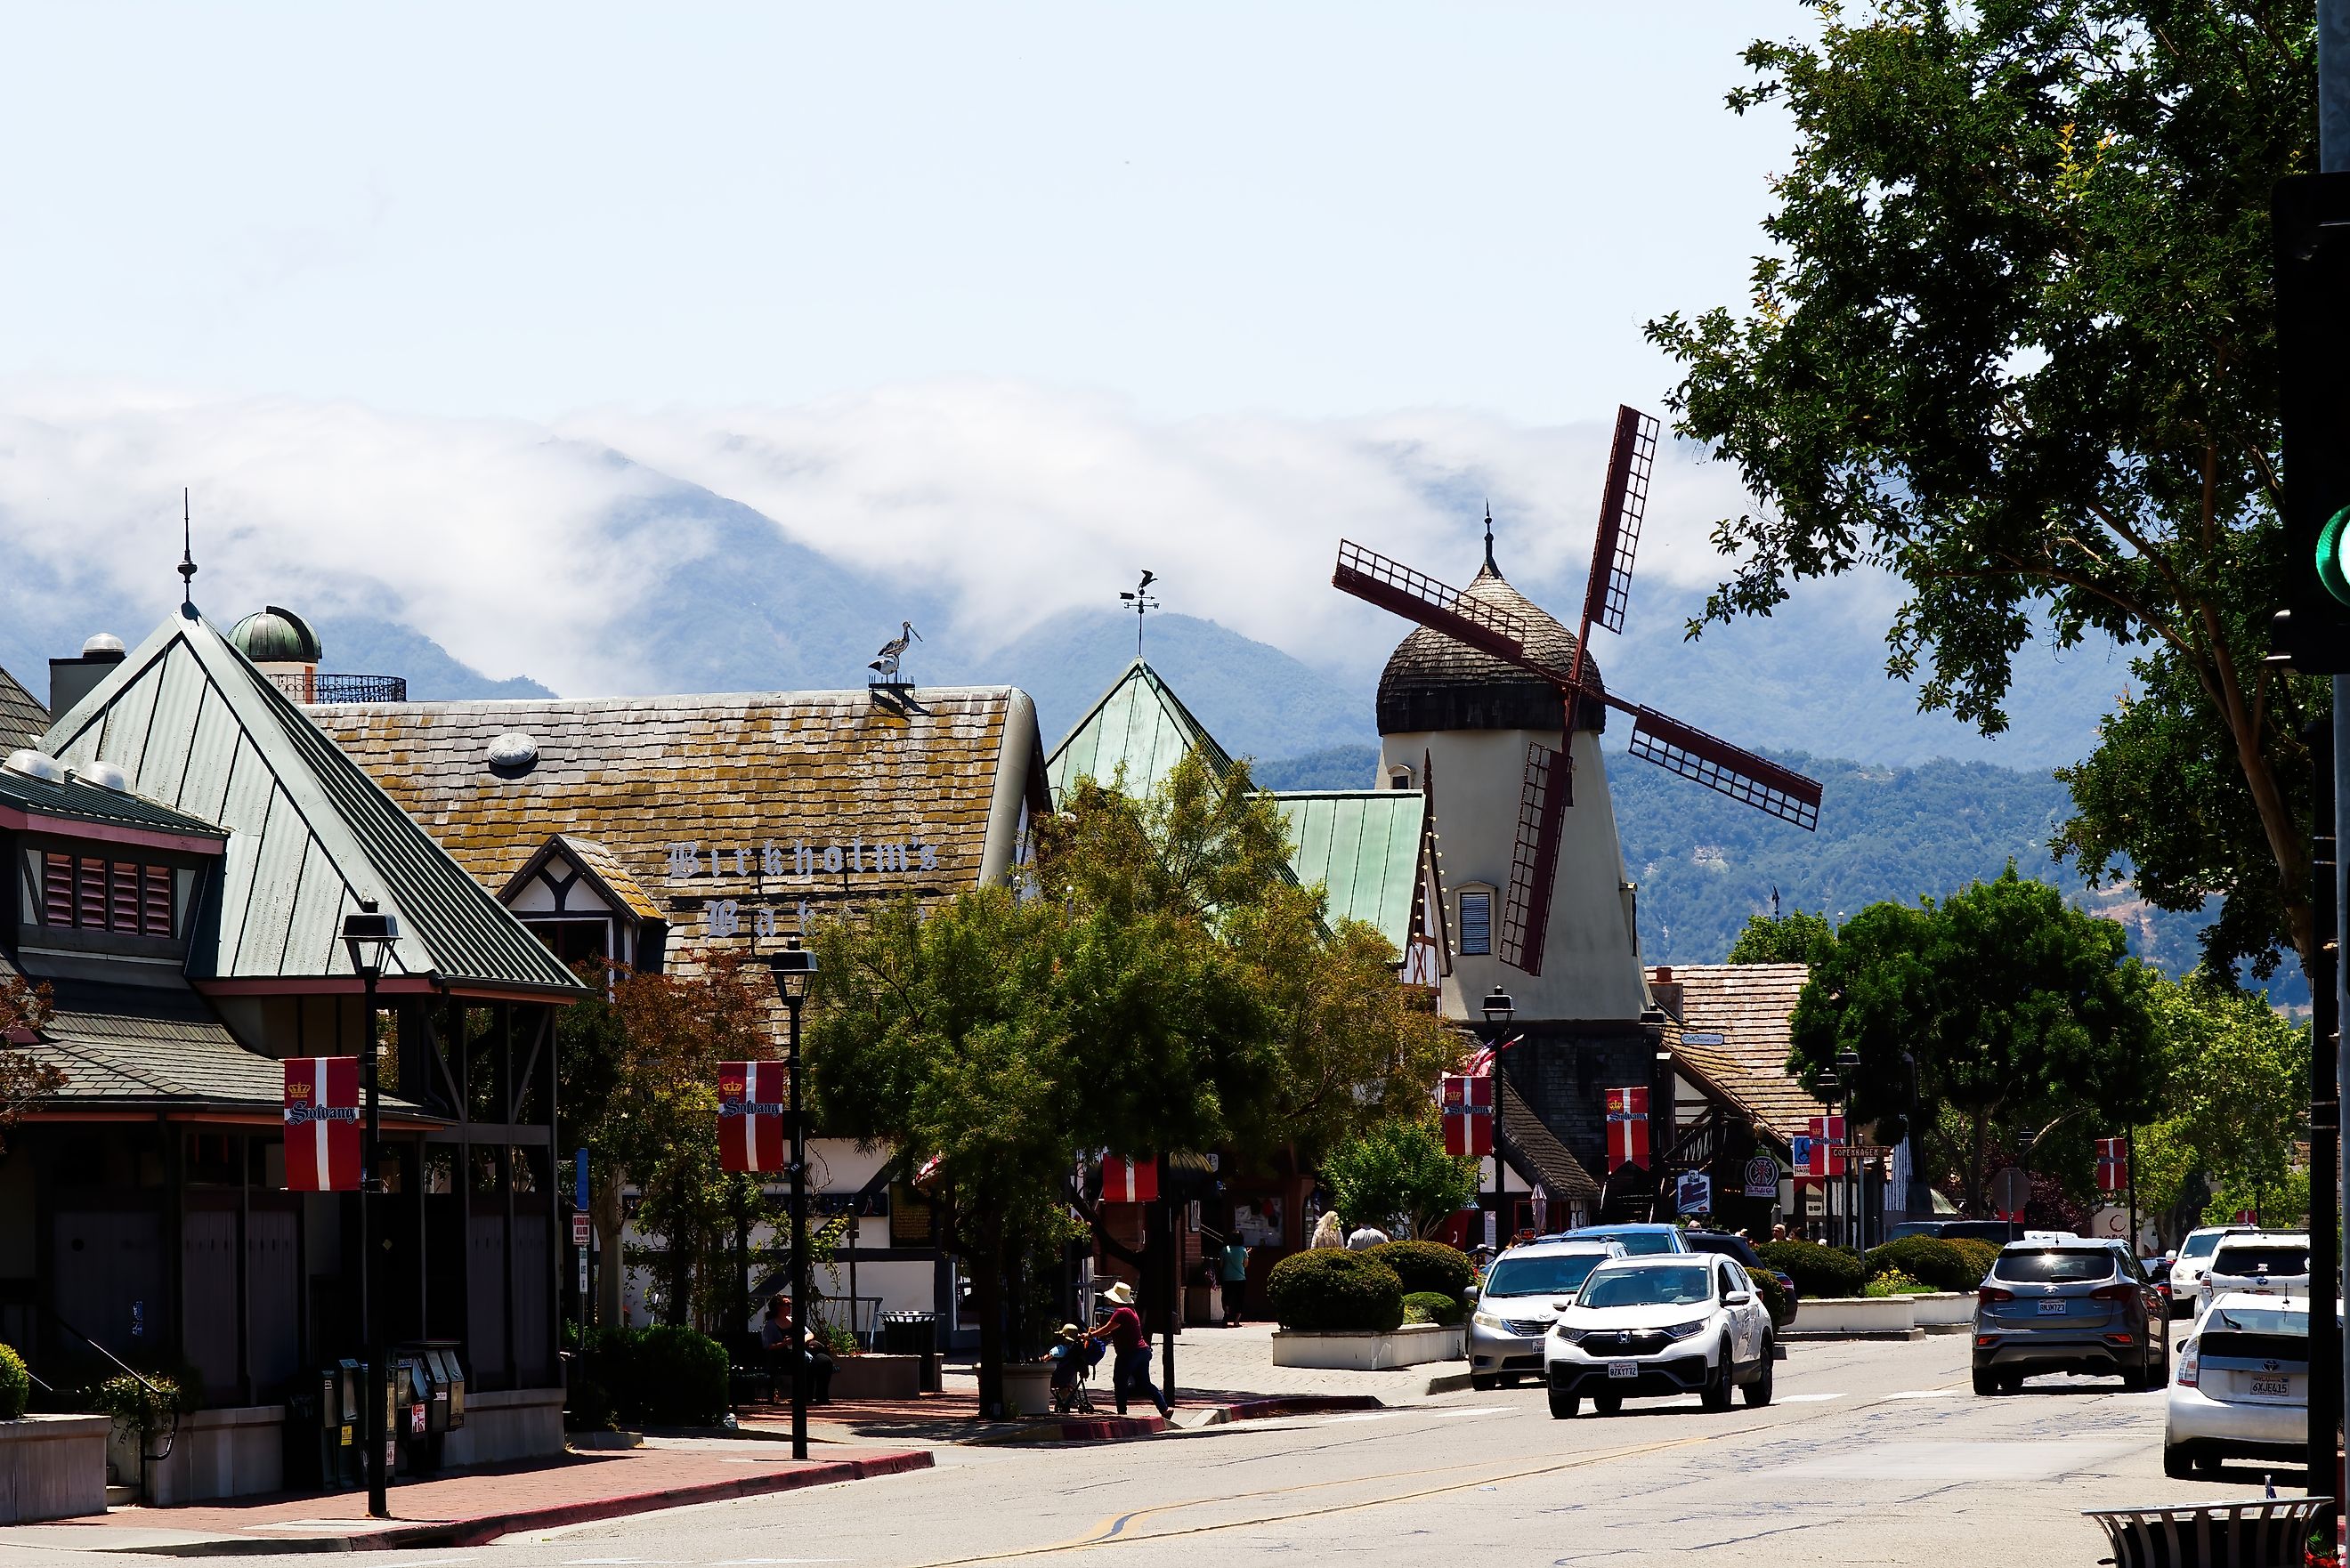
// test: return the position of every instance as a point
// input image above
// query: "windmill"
(1548, 785)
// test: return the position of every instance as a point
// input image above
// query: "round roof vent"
(512, 751)
(35, 765)
(105, 776)
(101, 643)
(275, 635)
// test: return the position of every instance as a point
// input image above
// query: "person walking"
(1328, 1231)
(1365, 1238)
(1129, 1370)
(1235, 1262)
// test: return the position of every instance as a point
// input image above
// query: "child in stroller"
(1074, 1356)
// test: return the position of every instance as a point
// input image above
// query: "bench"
(750, 1375)
(2260, 1532)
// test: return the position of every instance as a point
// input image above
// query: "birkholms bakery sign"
(800, 862)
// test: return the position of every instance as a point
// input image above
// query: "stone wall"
(52, 1467)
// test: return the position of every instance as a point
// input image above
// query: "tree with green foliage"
(1798, 938)
(2020, 1013)
(2012, 342)
(2238, 1099)
(1399, 1169)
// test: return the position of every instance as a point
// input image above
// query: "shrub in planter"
(591, 1407)
(15, 1384)
(1817, 1271)
(1332, 1291)
(1432, 1307)
(147, 1405)
(662, 1376)
(1775, 1297)
(1894, 1282)
(1928, 1259)
(1979, 1256)
(1428, 1267)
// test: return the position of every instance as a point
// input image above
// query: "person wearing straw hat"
(1130, 1372)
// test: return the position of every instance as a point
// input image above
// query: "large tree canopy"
(2012, 343)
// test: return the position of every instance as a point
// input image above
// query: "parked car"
(2068, 1305)
(2259, 1263)
(1998, 1232)
(1656, 1326)
(1523, 1292)
(1638, 1240)
(2187, 1269)
(2242, 1385)
(1740, 1248)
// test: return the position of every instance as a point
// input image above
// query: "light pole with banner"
(1830, 1087)
(1500, 1008)
(1855, 1185)
(794, 969)
(370, 936)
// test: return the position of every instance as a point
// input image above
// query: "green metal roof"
(199, 728)
(1140, 723)
(1362, 846)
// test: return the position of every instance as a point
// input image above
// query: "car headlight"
(1487, 1320)
(1683, 1330)
(1572, 1335)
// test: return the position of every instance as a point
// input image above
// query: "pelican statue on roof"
(886, 666)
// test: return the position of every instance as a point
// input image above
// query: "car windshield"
(2258, 1320)
(1638, 1242)
(2199, 1246)
(2248, 1261)
(1560, 1274)
(2054, 1268)
(1649, 1287)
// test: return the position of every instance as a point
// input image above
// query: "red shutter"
(57, 889)
(90, 888)
(155, 918)
(123, 911)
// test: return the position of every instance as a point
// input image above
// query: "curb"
(1878, 1336)
(1288, 1405)
(1448, 1381)
(1094, 1429)
(489, 1527)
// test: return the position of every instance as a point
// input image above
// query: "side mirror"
(1738, 1298)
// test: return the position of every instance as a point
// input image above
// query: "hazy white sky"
(1309, 210)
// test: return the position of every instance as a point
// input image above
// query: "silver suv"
(1526, 1290)
(2072, 1305)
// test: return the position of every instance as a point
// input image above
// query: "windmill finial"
(1489, 540)
(1140, 602)
(187, 567)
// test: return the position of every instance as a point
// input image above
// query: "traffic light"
(2311, 220)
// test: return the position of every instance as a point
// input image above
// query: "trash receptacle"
(914, 1333)
(351, 1457)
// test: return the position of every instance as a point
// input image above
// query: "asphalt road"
(1872, 1454)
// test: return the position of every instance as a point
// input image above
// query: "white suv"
(2263, 1263)
(1660, 1325)
(2194, 1258)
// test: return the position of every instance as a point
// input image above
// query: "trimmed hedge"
(1432, 1307)
(1817, 1271)
(661, 1376)
(1928, 1259)
(1979, 1256)
(1330, 1289)
(15, 1384)
(1428, 1267)
(1774, 1296)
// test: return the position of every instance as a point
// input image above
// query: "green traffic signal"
(2334, 555)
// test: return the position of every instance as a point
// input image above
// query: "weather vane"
(187, 567)
(886, 666)
(1140, 602)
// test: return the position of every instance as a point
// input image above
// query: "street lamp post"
(1500, 1008)
(794, 967)
(1830, 1087)
(1855, 1184)
(369, 937)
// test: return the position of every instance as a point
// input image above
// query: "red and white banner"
(1819, 1161)
(1627, 1128)
(750, 1115)
(2112, 1165)
(322, 1124)
(1126, 1180)
(1468, 1105)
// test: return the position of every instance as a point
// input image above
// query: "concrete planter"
(52, 1467)
(1944, 1310)
(1410, 1345)
(1857, 1314)
(219, 1453)
(508, 1424)
(875, 1378)
(1028, 1391)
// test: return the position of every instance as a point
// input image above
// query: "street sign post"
(2011, 1189)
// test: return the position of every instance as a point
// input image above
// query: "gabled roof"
(75, 800)
(22, 719)
(603, 869)
(1140, 723)
(1747, 1005)
(1535, 1151)
(197, 728)
(1362, 846)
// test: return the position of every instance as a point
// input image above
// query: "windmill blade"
(1417, 597)
(1733, 771)
(1621, 506)
(1534, 865)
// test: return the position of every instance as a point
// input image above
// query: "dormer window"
(99, 893)
(1476, 921)
(1399, 777)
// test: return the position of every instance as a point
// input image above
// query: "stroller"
(1073, 1356)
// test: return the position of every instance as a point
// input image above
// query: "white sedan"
(2241, 1387)
(1659, 1326)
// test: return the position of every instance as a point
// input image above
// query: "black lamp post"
(1500, 1008)
(370, 935)
(1830, 1087)
(794, 967)
(1856, 1186)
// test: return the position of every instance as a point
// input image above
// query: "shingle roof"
(1434, 681)
(721, 777)
(1140, 723)
(1551, 1162)
(77, 801)
(1363, 846)
(197, 728)
(1748, 1005)
(612, 872)
(22, 719)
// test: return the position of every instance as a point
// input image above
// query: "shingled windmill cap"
(275, 635)
(1436, 683)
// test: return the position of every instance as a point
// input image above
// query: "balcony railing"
(341, 688)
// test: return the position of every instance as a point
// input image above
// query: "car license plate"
(2272, 1387)
(1623, 1370)
(2052, 1309)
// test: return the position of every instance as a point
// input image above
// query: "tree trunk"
(987, 1293)
(678, 1263)
(612, 1222)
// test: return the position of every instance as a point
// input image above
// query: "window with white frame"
(1476, 921)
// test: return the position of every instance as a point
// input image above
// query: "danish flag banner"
(1468, 1103)
(2112, 1164)
(1127, 1180)
(1819, 1163)
(322, 1124)
(1627, 1128)
(750, 1115)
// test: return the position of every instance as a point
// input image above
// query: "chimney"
(1667, 992)
(71, 679)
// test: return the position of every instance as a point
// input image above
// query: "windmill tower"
(1508, 707)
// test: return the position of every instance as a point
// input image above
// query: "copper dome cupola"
(1436, 683)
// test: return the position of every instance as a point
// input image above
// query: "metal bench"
(2259, 1532)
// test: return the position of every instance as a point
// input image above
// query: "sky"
(1020, 297)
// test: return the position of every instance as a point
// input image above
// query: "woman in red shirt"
(1129, 1350)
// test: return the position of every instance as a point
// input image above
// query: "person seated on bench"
(813, 1361)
